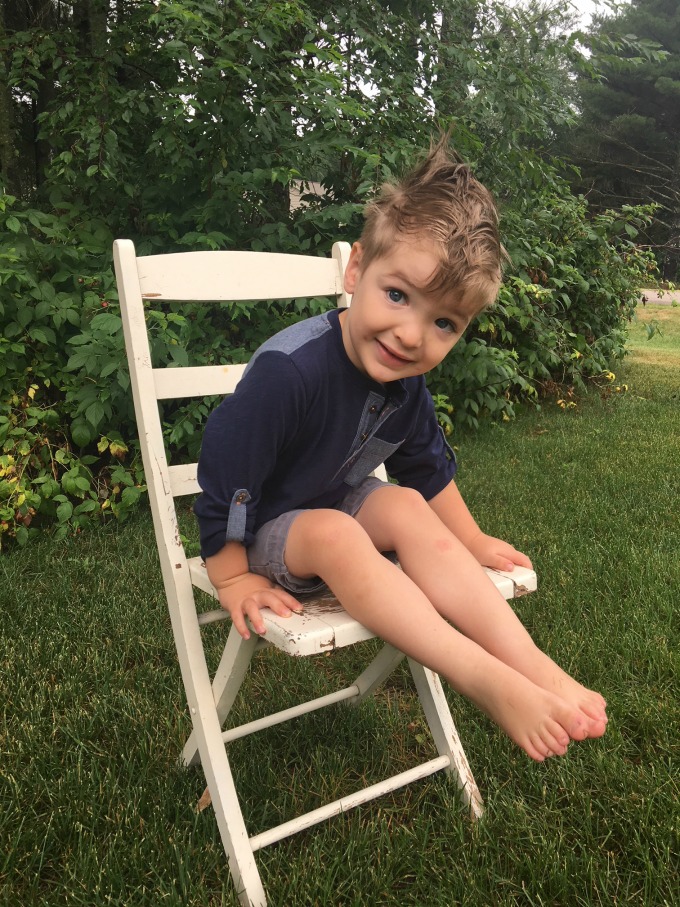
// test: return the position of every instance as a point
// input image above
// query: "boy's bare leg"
(399, 519)
(386, 600)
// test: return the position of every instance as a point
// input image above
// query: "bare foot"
(546, 674)
(539, 721)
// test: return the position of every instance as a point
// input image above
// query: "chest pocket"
(374, 452)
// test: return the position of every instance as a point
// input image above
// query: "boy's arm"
(243, 593)
(489, 551)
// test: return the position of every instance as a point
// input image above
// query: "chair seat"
(324, 624)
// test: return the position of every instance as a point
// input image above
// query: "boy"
(292, 506)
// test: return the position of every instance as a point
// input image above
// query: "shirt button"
(241, 498)
(373, 409)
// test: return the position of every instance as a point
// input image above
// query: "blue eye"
(395, 296)
(445, 325)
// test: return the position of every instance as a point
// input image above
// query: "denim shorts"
(266, 556)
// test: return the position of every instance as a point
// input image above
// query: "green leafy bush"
(67, 430)
(58, 466)
(560, 320)
(183, 126)
(68, 441)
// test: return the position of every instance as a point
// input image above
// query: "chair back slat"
(197, 381)
(236, 276)
(183, 479)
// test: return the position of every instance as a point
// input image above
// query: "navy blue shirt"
(304, 426)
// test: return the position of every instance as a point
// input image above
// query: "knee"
(406, 516)
(407, 503)
(330, 530)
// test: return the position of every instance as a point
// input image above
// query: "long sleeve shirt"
(304, 426)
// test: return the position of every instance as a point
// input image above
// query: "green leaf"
(81, 433)
(86, 507)
(95, 414)
(42, 335)
(130, 495)
(64, 512)
(21, 536)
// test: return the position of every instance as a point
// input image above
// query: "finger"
(278, 606)
(282, 603)
(280, 595)
(501, 562)
(512, 559)
(292, 603)
(522, 560)
(239, 622)
(252, 612)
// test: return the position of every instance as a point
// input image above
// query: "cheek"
(439, 351)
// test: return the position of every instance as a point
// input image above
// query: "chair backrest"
(201, 278)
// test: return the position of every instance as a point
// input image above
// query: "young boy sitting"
(292, 505)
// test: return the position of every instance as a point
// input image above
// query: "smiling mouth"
(391, 356)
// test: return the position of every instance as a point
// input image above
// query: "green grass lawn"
(95, 809)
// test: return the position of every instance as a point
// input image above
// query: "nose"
(409, 333)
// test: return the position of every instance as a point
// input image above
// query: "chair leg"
(444, 733)
(377, 671)
(206, 739)
(227, 681)
(232, 828)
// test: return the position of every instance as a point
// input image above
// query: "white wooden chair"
(204, 277)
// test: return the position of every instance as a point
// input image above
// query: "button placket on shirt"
(373, 418)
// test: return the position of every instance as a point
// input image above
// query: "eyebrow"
(402, 278)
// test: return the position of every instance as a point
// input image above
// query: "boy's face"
(394, 329)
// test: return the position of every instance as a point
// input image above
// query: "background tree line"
(626, 142)
(185, 125)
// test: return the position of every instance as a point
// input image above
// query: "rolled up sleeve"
(241, 444)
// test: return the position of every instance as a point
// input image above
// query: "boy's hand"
(245, 595)
(497, 554)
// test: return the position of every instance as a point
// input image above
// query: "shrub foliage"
(184, 126)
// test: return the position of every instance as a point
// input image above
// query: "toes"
(538, 751)
(594, 711)
(556, 741)
(597, 728)
(547, 742)
(578, 727)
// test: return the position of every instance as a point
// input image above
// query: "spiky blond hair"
(440, 202)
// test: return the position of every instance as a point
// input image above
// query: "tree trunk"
(47, 18)
(9, 171)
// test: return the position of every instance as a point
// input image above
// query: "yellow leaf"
(118, 449)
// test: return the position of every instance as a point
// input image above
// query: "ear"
(353, 269)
